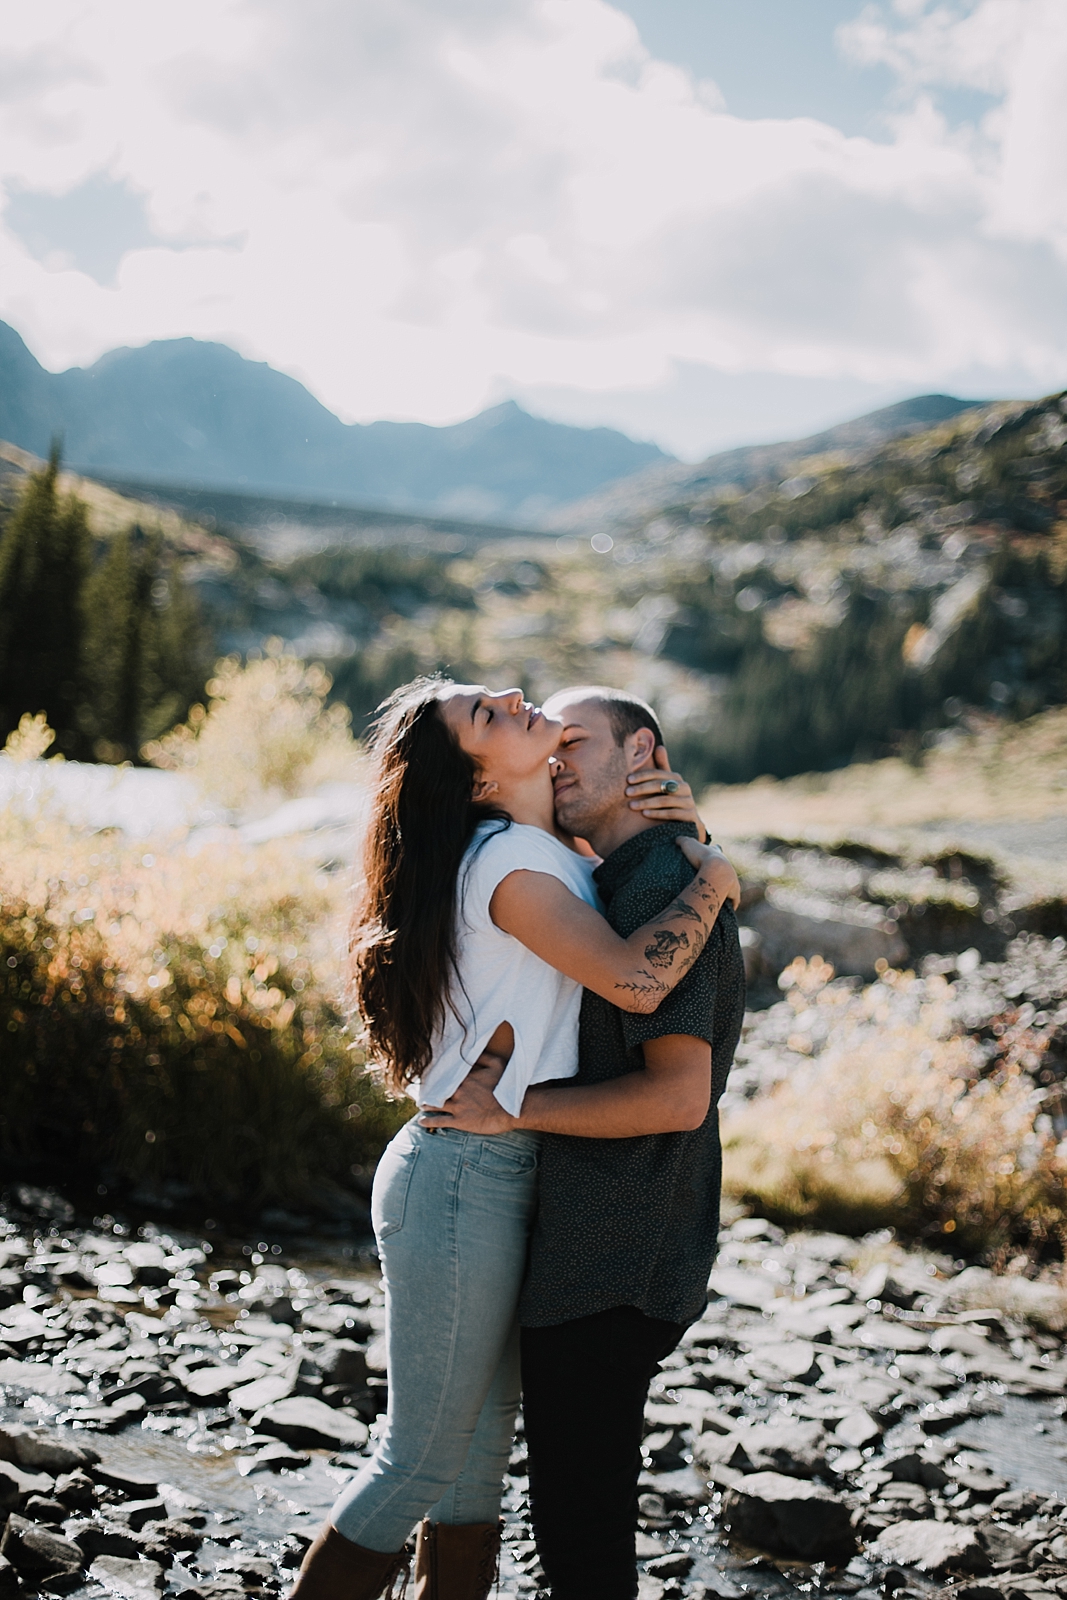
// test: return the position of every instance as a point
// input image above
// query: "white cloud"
(417, 206)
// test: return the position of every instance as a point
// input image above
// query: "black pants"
(584, 1388)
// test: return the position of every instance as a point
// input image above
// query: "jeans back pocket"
(502, 1161)
(389, 1197)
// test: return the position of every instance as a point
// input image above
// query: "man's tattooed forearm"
(665, 946)
(652, 986)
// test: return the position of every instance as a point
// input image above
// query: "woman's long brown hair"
(404, 929)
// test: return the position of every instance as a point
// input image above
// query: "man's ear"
(641, 748)
(484, 789)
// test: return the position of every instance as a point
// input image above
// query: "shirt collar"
(617, 867)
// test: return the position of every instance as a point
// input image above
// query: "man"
(629, 1199)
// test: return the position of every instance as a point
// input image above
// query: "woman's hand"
(709, 856)
(646, 794)
(473, 1108)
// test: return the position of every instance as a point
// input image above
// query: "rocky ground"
(847, 1418)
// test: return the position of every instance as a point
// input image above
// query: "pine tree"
(143, 653)
(44, 553)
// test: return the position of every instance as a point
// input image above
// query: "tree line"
(101, 635)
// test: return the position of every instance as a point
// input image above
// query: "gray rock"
(10, 1584)
(743, 1286)
(1018, 1503)
(983, 1485)
(796, 1448)
(907, 1466)
(225, 1587)
(76, 1490)
(16, 1486)
(1005, 1544)
(858, 1429)
(126, 1483)
(376, 1360)
(174, 1534)
(722, 1450)
(265, 1391)
(33, 1448)
(42, 1508)
(272, 1458)
(109, 1539)
(131, 1580)
(137, 1514)
(252, 1570)
(675, 1565)
(793, 1361)
(789, 1517)
(38, 1378)
(342, 1362)
(38, 1552)
(880, 1334)
(310, 1423)
(938, 1548)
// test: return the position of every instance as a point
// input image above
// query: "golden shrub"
(266, 734)
(177, 1016)
(894, 1122)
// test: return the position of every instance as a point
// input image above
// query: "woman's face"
(507, 736)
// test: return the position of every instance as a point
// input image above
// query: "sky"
(707, 222)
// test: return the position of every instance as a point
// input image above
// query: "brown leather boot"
(456, 1563)
(336, 1569)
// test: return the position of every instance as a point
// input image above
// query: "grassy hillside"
(856, 609)
(997, 772)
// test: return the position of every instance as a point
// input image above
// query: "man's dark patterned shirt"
(634, 1222)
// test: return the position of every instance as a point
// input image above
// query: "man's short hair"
(627, 713)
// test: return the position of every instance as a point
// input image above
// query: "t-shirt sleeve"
(690, 1006)
(514, 849)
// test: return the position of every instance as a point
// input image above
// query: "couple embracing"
(538, 963)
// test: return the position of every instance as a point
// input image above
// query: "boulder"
(268, 1389)
(132, 1580)
(342, 1362)
(789, 1517)
(311, 1424)
(1006, 1544)
(110, 1539)
(796, 1448)
(272, 1458)
(38, 1377)
(34, 1449)
(857, 1429)
(16, 1486)
(908, 1466)
(125, 1483)
(10, 1583)
(938, 1548)
(38, 1552)
(136, 1514)
(675, 1565)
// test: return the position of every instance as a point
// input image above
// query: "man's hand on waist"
(474, 1108)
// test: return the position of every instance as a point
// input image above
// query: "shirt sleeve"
(513, 849)
(690, 1006)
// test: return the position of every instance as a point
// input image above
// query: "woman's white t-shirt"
(498, 980)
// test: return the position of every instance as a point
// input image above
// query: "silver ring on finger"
(669, 786)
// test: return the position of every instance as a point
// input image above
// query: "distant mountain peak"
(195, 412)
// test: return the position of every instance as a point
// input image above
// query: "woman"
(464, 802)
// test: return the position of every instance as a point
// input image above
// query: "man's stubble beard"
(597, 800)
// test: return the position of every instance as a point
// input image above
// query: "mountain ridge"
(627, 505)
(196, 413)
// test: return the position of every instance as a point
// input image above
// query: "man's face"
(590, 778)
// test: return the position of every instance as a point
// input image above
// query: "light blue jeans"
(452, 1213)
